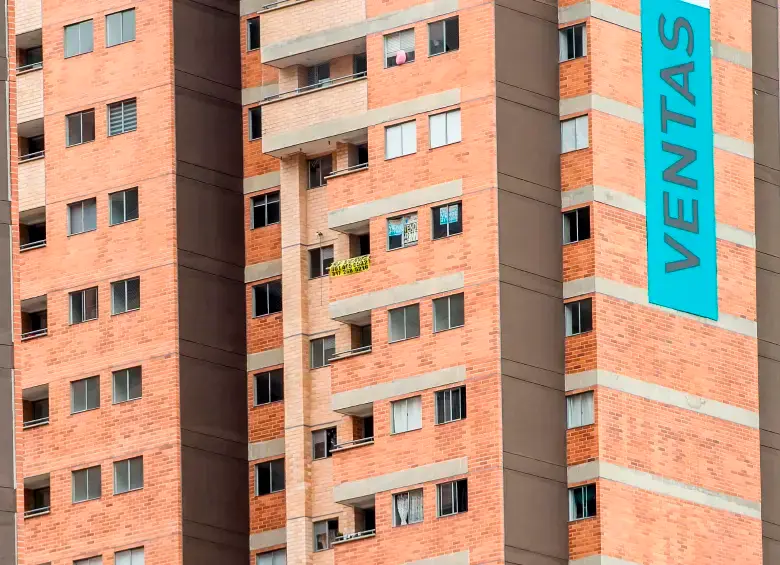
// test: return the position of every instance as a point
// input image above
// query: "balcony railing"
(352, 169)
(31, 156)
(29, 67)
(312, 87)
(32, 245)
(35, 423)
(354, 536)
(351, 444)
(37, 512)
(351, 353)
(35, 333)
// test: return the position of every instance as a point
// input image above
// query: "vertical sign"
(679, 168)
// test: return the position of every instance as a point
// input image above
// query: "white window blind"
(130, 557)
(400, 139)
(399, 41)
(278, 557)
(445, 128)
(122, 117)
(579, 410)
(407, 414)
(574, 134)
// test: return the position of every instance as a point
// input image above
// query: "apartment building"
(432, 282)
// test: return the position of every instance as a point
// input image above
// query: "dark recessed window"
(323, 441)
(404, 323)
(84, 395)
(255, 123)
(572, 42)
(267, 298)
(123, 206)
(86, 484)
(127, 384)
(320, 168)
(80, 128)
(582, 502)
(576, 225)
(269, 477)
(451, 405)
(82, 216)
(125, 295)
(579, 316)
(453, 498)
(443, 36)
(252, 34)
(269, 387)
(83, 305)
(321, 351)
(265, 210)
(447, 220)
(320, 260)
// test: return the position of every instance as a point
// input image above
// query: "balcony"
(35, 407)
(310, 119)
(361, 341)
(34, 317)
(29, 79)
(32, 229)
(343, 538)
(32, 168)
(37, 500)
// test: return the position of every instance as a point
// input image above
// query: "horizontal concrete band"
(595, 102)
(600, 560)
(639, 296)
(264, 359)
(629, 203)
(257, 94)
(367, 395)
(395, 295)
(618, 17)
(260, 271)
(663, 486)
(267, 539)
(461, 558)
(333, 36)
(662, 395)
(406, 478)
(355, 122)
(266, 449)
(262, 182)
(345, 217)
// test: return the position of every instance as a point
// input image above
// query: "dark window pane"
(131, 204)
(586, 315)
(455, 218)
(134, 378)
(579, 506)
(455, 403)
(439, 222)
(277, 385)
(579, 44)
(255, 123)
(329, 348)
(359, 63)
(446, 503)
(412, 321)
(570, 53)
(452, 34)
(76, 308)
(262, 388)
(590, 500)
(272, 209)
(253, 33)
(261, 299)
(275, 296)
(277, 475)
(88, 126)
(263, 478)
(133, 294)
(456, 311)
(319, 444)
(93, 482)
(79, 486)
(93, 393)
(583, 223)
(73, 124)
(136, 473)
(314, 264)
(436, 38)
(441, 316)
(463, 495)
(440, 415)
(121, 476)
(120, 386)
(78, 396)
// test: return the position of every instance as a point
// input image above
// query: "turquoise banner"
(679, 169)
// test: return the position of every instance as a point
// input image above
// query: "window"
(255, 123)
(579, 317)
(127, 384)
(359, 64)
(84, 395)
(447, 220)
(322, 350)
(29, 58)
(444, 128)
(324, 534)
(451, 405)
(130, 557)
(122, 117)
(404, 322)
(78, 39)
(278, 557)
(125, 295)
(402, 232)
(120, 27)
(267, 298)
(400, 140)
(82, 216)
(572, 43)
(397, 42)
(574, 134)
(453, 498)
(253, 34)
(86, 484)
(265, 210)
(582, 502)
(80, 128)
(579, 410)
(408, 508)
(128, 475)
(576, 225)
(322, 442)
(83, 305)
(269, 387)
(269, 477)
(407, 414)
(90, 561)
(443, 36)
(448, 312)
(318, 74)
(320, 260)
(320, 168)
(123, 206)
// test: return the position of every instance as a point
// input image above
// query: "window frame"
(128, 462)
(268, 377)
(586, 490)
(312, 346)
(393, 430)
(253, 135)
(73, 393)
(328, 529)
(319, 162)
(111, 198)
(440, 397)
(403, 152)
(249, 21)
(446, 116)
(80, 114)
(577, 214)
(563, 42)
(133, 554)
(405, 220)
(273, 463)
(436, 211)
(121, 104)
(404, 309)
(80, 204)
(79, 26)
(95, 560)
(577, 122)
(272, 556)
(582, 406)
(396, 518)
(455, 492)
(89, 495)
(124, 283)
(84, 307)
(127, 374)
(329, 438)
(255, 204)
(266, 289)
(320, 261)
(448, 299)
(568, 307)
(443, 35)
(388, 36)
(122, 14)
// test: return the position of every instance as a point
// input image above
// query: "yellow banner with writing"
(350, 266)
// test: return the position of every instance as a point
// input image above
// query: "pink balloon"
(400, 57)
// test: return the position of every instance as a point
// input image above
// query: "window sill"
(446, 236)
(252, 50)
(28, 514)
(31, 426)
(79, 144)
(581, 333)
(401, 65)
(448, 329)
(81, 323)
(118, 402)
(86, 500)
(400, 156)
(267, 403)
(269, 493)
(565, 243)
(404, 339)
(573, 520)
(575, 150)
(405, 431)
(445, 144)
(122, 223)
(409, 525)
(348, 171)
(120, 43)
(251, 139)
(430, 55)
(321, 367)
(265, 226)
(354, 444)
(449, 422)
(404, 247)
(257, 317)
(323, 185)
(82, 232)
(573, 59)
(125, 312)
(84, 411)
(31, 68)
(592, 424)
(128, 491)
(78, 54)
(121, 133)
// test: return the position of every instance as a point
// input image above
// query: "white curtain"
(402, 507)
(415, 506)
(414, 409)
